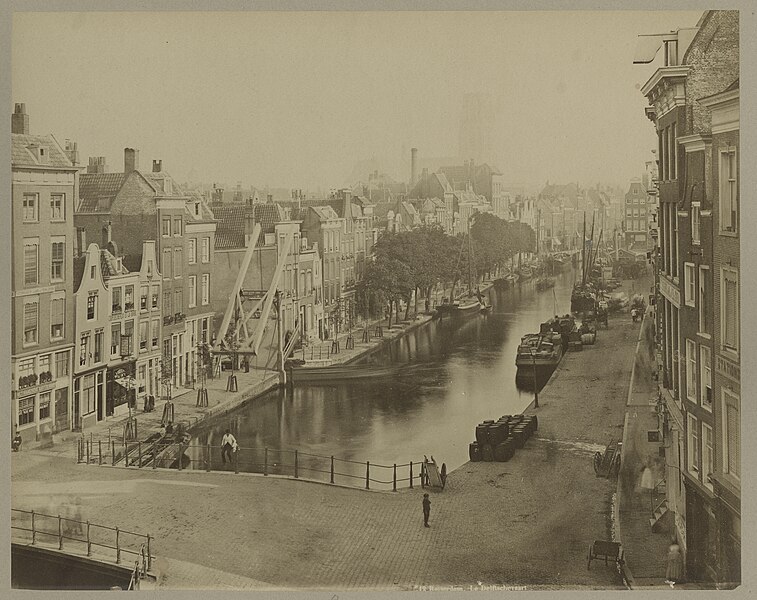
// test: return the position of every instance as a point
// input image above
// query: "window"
(691, 370)
(144, 291)
(127, 339)
(178, 301)
(729, 318)
(26, 410)
(57, 253)
(673, 153)
(708, 456)
(192, 247)
(155, 332)
(44, 406)
(689, 283)
(31, 262)
(206, 249)
(165, 264)
(178, 258)
(91, 306)
(192, 291)
(731, 435)
(204, 331)
(115, 339)
(57, 313)
(88, 397)
(695, 239)
(663, 154)
(143, 334)
(57, 207)
(704, 309)
(155, 296)
(166, 227)
(30, 208)
(166, 303)
(83, 349)
(98, 346)
(129, 297)
(728, 191)
(61, 364)
(693, 444)
(177, 226)
(115, 295)
(31, 323)
(44, 363)
(205, 289)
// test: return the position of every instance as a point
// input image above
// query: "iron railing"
(266, 461)
(83, 536)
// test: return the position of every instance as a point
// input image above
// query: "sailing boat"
(472, 304)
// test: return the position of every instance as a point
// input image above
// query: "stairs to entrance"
(659, 513)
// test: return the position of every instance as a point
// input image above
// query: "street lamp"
(536, 385)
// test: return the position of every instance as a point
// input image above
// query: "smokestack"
(20, 120)
(413, 165)
(97, 165)
(131, 160)
(72, 151)
(157, 166)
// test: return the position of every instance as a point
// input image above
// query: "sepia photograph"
(374, 300)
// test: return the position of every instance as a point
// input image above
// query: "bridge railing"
(79, 537)
(263, 460)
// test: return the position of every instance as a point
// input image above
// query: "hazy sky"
(295, 99)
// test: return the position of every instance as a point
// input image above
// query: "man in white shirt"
(228, 445)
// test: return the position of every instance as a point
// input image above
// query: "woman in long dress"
(674, 572)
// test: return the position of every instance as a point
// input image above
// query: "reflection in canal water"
(450, 376)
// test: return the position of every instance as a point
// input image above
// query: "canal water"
(449, 376)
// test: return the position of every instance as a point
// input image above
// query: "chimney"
(157, 166)
(72, 152)
(269, 198)
(131, 160)
(107, 232)
(20, 120)
(97, 165)
(81, 241)
(413, 165)
(249, 224)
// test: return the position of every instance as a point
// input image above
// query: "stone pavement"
(527, 522)
(646, 551)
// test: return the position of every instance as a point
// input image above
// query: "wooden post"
(296, 475)
(394, 478)
(60, 533)
(207, 458)
(149, 557)
(100, 450)
(265, 464)
(423, 479)
(367, 475)
(179, 457)
(89, 542)
(139, 455)
(126, 454)
(118, 547)
(236, 460)
(87, 451)
(411, 474)
(113, 452)
(34, 530)
(332, 469)
(155, 455)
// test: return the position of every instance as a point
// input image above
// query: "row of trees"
(411, 264)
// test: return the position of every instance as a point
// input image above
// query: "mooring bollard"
(332, 469)
(367, 475)
(394, 478)
(411, 474)
(296, 475)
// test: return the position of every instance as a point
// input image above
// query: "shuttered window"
(730, 314)
(31, 321)
(728, 191)
(57, 312)
(733, 441)
(31, 263)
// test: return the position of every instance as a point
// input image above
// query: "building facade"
(44, 187)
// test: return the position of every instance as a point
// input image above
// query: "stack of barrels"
(498, 440)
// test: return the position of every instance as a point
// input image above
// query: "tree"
(388, 280)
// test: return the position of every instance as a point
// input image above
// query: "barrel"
(487, 453)
(482, 433)
(535, 421)
(487, 422)
(497, 433)
(474, 452)
(505, 417)
(503, 452)
(519, 436)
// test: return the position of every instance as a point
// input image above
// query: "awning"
(647, 46)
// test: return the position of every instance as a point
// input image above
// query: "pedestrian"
(228, 445)
(647, 483)
(16, 443)
(674, 572)
(426, 509)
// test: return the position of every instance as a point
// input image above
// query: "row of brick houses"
(694, 105)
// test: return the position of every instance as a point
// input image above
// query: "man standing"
(426, 509)
(228, 444)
